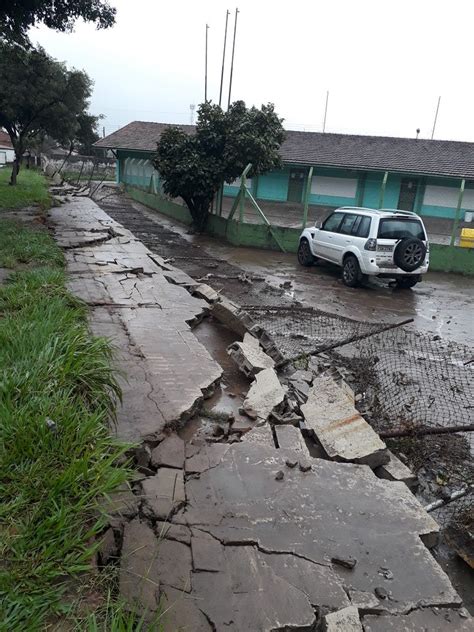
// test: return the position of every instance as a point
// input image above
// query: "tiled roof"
(380, 153)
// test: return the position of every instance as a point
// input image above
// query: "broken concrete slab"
(426, 619)
(163, 493)
(205, 292)
(175, 564)
(264, 395)
(181, 612)
(229, 314)
(121, 505)
(348, 513)
(172, 531)
(395, 470)
(108, 549)
(207, 552)
(169, 453)
(290, 438)
(345, 620)
(249, 356)
(203, 457)
(339, 427)
(365, 602)
(139, 569)
(260, 435)
(167, 372)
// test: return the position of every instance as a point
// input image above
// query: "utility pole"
(436, 118)
(223, 55)
(232, 62)
(325, 111)
(205, 68)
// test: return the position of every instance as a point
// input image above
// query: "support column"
(306, 197)
(458, 213)
(382, 189)
(361, 189)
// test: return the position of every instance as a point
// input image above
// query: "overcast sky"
(384, 63)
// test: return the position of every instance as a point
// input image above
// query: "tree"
(39, 96)
(195, 166)
(17, 16)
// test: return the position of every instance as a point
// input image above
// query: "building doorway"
(408, 191)
(296, 185)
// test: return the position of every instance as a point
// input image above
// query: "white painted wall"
(335, 187)
(447, 197)
(6, 154)
(237, 182)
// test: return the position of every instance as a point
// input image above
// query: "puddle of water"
(229, 395)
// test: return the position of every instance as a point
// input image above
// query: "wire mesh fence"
(409, 384)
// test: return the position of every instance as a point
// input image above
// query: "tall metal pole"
(325, 111)
(223, 55)
(205, 69)
(232, 62)
(436, 118)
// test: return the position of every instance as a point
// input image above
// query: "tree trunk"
(199, 210)
(15, 170)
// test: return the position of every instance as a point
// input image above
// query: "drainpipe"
(382, 189)
(306, 197)
(458, 213)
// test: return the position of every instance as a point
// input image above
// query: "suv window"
(400, 228)
(363, 229)
(348, 223)
(332, 223)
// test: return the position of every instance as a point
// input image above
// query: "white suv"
(367, 242)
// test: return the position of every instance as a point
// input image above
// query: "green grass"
(19, 244)
(57, 459)
(31, 188)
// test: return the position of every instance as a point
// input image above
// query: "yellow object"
(467, 238)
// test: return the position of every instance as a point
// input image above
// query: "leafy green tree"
(195, 166)
(39, 96)
(17, 16)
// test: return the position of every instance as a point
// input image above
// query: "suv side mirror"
(318, 224)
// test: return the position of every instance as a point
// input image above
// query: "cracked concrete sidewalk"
(236, 537)
(165, 370)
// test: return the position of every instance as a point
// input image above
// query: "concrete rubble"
(339, 427)
(396, 470)
(249, 356)
(257, 534)
(264, 395)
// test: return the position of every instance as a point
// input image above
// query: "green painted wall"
(273, 186)
(443, 258)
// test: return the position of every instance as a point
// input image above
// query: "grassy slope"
(57, 391)
(30, 189)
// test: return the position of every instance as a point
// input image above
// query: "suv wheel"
(409, 254)
(351, 271)
(407, 282)
(305, 256)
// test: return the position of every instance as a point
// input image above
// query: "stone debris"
(425, 619)
(346, 562)
(139, 568)
(290, 438)
(396, 470)
(279, 476)
(163, 493)
(249, 356)
(169, 453)
(365, 602)
(345, 620)
(171, 531)
(339, 427)
(264, 395)
(108, 549)
(302, 376)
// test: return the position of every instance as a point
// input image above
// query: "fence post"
(458, 213)
(306, 197)
(382, 189)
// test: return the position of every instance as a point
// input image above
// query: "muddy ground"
(440, 306)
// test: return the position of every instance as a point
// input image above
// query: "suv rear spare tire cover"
(409, 254)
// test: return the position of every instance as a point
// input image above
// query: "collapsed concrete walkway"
(243, 536)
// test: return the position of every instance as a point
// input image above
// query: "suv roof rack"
(359, 208)
(396, 211)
